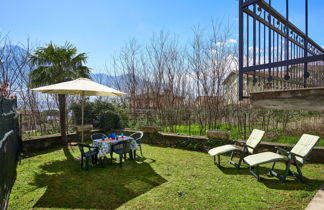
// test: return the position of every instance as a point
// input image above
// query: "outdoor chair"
(97, 136)
(121, 148)
(138, 138)
(295, 157)
(243, 148)
(91, 153)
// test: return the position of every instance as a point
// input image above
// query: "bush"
(100, 114)
(109, 120)
(89, 113)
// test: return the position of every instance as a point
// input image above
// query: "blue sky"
(101, 27)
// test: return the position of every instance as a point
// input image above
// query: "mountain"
(117, 82)
(120, 82)
(13, 59)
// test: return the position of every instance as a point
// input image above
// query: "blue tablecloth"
(105, 146)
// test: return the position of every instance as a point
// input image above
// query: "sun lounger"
(295, 157)
(244, 149)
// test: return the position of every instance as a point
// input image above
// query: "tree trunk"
(62, 107)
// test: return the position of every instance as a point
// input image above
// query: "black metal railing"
(273, 52)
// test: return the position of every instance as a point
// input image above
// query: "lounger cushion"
(305, 144)
(222, 149)
(264, 157)
(254, 139)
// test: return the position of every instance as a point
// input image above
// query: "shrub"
(100, 114)
(109, 120)
(89, 114)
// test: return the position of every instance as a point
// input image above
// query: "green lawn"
(166, 178)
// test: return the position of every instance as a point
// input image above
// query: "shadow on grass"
(232, 170)
(45, 151)
(67, 153)
(292, 184)
(272, 182)
(67, 186)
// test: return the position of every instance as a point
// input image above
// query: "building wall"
(231, 87)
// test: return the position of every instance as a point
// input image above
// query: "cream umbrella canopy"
(82, 87)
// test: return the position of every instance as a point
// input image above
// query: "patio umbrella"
(82, 87)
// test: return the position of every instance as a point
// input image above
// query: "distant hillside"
(12, 57)
(117, 82)
(114, 81)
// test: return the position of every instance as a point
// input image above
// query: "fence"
(10, 147)
(273, 52)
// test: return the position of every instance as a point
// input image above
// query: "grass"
(195, 130)
(235, 134)
(166, 178)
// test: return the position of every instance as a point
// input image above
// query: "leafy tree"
(54, 64)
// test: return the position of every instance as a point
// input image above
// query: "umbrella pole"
(82, 117)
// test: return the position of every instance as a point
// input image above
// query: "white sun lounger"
(296, 157)
(245, 149)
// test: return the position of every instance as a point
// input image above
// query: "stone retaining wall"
(203, 144)
(196, 143)
(40, 143)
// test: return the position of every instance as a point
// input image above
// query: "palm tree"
(56, 64)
